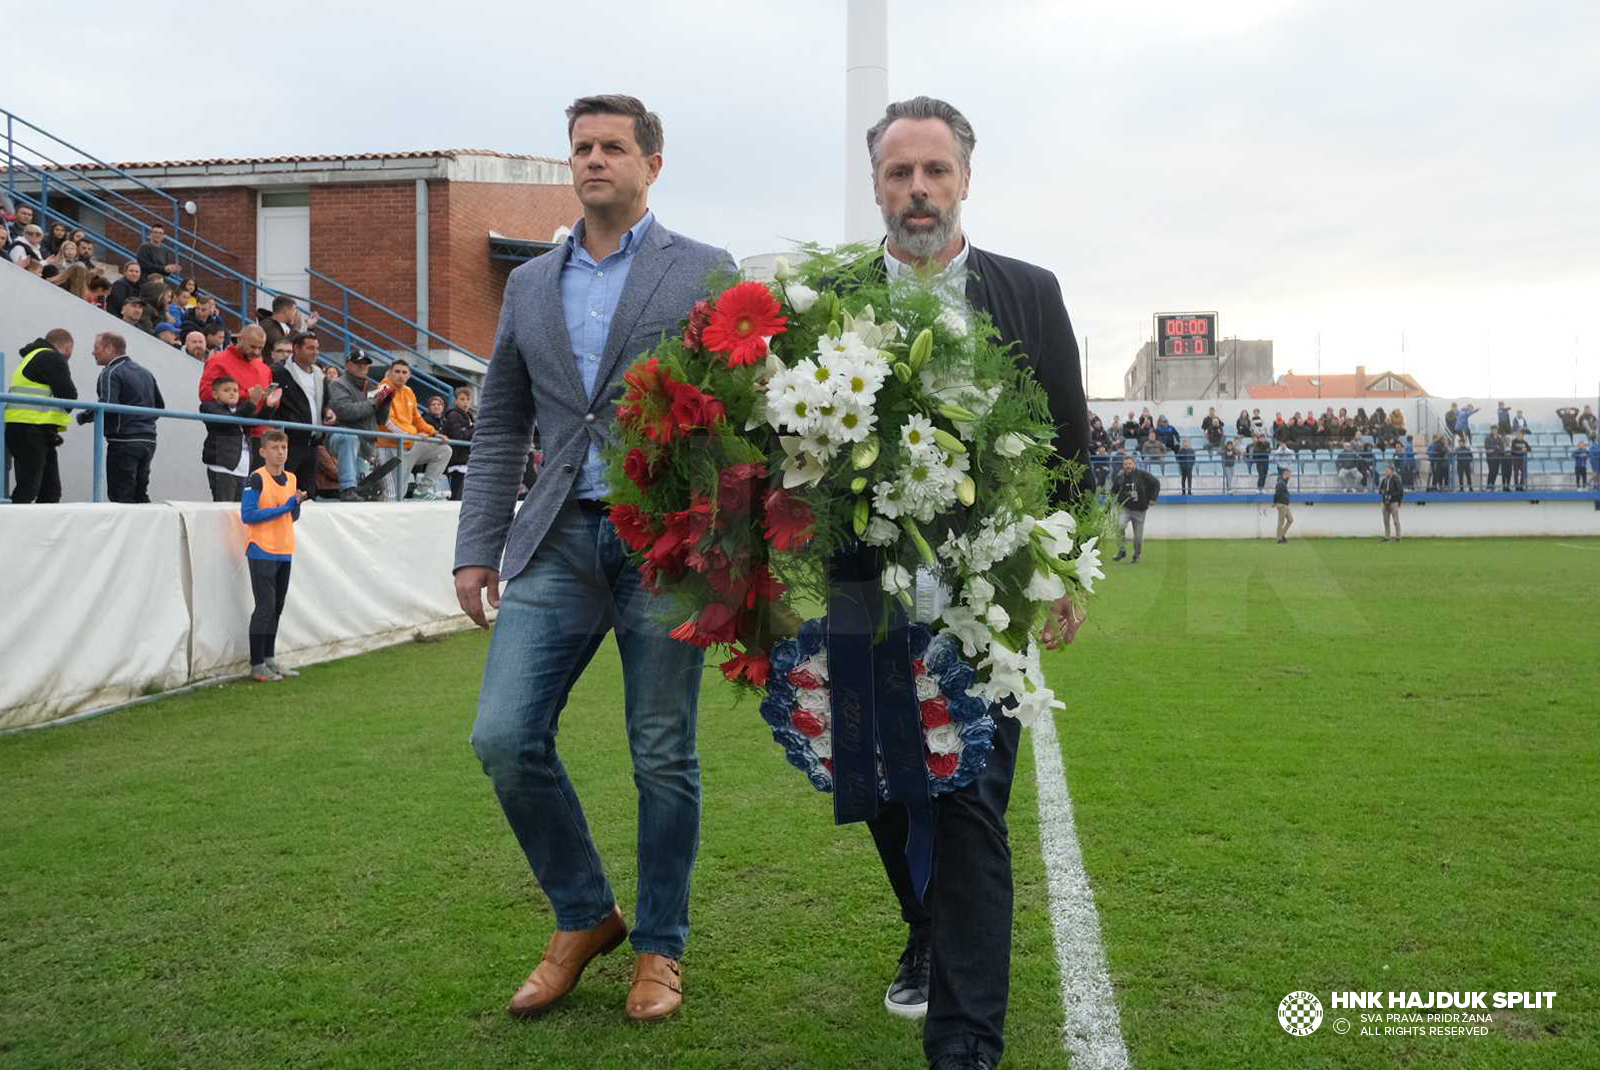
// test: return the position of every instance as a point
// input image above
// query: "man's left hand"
(1061, 627)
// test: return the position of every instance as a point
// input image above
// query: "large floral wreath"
(830, 411)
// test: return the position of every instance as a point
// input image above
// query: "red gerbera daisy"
(634, 527)
(788, 521)
(748, 666)
(649, 399)
(745, 317)
(715, 623)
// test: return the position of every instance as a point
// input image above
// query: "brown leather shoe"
(657, 990)
(564, 959)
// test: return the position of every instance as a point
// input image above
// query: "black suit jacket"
(1024, 300)
(295, 407)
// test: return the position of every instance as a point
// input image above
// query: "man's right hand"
(256, 394)
(470, 585)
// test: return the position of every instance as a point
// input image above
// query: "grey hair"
(925, 108)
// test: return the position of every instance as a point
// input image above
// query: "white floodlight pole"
(866, 94)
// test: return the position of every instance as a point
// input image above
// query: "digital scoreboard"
(1186, 334)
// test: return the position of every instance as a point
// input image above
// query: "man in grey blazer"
(571, 323)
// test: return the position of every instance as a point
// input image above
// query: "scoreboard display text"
(1187, 334)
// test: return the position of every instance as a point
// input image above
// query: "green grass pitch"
(1336, 764)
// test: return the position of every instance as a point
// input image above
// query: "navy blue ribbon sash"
(875, 710)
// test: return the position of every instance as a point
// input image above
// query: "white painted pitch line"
(1577, 546)
(1091, 1029)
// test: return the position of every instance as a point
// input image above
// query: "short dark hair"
(134, 300)
(117, 343)
(58, 336)
(223, 380)
(158, 226)
(274, 434)
(216, 328)
(281, 302)
(99, 282)
(646, 123)
(399, 363)
(129, 264)
(300, 338)
(925, 108)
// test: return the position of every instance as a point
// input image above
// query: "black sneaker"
(348, 494)
(959, 1061)
(908, 993)
(1120, 555)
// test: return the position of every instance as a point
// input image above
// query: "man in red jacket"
(242, 363)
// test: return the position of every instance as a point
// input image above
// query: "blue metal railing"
(138, 218)
(100, 408)
(346, 293)
(335, 333)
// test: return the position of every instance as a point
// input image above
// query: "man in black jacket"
(1391, 491)
(958, 955)
(34, 432)
(1134, 491)
(130, 437)
(304, 397)
(1280, 500)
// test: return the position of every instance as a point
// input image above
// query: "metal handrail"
(61, 171)
(246, 285)
(100, 408)
(348, 293)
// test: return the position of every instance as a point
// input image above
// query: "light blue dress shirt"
(590, 293)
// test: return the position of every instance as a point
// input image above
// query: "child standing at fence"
(270, 506)
(226, 453)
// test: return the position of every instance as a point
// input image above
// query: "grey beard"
(923, 242)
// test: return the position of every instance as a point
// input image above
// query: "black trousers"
(967, 914)
(128, 471)
(32, 450)
(224, 486)
(269, 582)
(1464, 474)
(1186, 477)
(303, 463)
(458, 480)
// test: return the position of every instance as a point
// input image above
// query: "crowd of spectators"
(1359, 447)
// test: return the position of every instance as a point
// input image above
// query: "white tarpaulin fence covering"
(104, 603)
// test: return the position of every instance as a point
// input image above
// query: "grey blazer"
(533, 377)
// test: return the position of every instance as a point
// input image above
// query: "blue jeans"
(346, 449)
(552, 619)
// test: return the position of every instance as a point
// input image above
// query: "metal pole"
(99, 455)
(422, 265)
(866, 95)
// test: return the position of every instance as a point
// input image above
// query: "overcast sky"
(1352, 169)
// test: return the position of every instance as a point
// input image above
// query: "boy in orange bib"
(270, 506)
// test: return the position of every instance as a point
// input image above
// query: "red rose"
(634, 527)
(745, 316)
(827, 763)
(788, 521)
(807, 722)
(918, 668)
(943, 765)
(698, 318)
(737, 487)
(639, 469)
(803, 678)
(752, 667)
(692, 410)
(935, 712)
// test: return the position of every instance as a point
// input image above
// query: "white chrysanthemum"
(946, 739)
(1045, 586)
(886, 499)
(881, 532)
(1087, 564)
(853, 422)
(917, 434)
(897, 580)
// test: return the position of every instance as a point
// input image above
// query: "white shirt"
(313, 383)
(931, 597)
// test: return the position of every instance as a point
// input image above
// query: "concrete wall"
(1239, 363)
(29, 307)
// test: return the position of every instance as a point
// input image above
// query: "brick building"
(429, 235)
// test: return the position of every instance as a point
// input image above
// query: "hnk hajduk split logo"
(1300, 1013)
